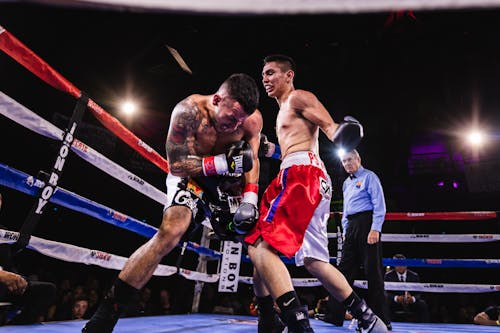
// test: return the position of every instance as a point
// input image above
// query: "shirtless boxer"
(212, 144)
(295, 207)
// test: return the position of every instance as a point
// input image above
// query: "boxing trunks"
(295, 208)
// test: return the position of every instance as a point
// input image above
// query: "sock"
(359, 309)
(123, 292)
(288, 300)
(354, 304)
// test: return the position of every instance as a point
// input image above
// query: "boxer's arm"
(181, 155)
(247, 213)
(252, 128)
(309, 107)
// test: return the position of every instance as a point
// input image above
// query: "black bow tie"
(352, 176)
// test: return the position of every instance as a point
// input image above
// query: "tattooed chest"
(208, 142)
(206, 138)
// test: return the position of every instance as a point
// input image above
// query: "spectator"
(405, 305)
(165, 306)
(490, 316)
(145, 305)
(30, 299)
(80, 307)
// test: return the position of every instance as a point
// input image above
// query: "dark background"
(416, 83)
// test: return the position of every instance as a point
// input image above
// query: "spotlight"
(128, 107)
(476, 138)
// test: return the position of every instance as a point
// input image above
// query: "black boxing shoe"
(104, 319)
(297, 320)
(270, 324)
(106, 316)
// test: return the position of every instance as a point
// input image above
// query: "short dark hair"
(399, 256)
(242, 88)
(285, 60)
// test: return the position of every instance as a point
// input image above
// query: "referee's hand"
(373, 237)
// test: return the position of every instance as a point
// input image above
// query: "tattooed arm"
(181, 155)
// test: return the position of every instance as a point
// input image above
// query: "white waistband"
(301, 158)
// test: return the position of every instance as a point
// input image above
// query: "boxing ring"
(46, 189)
(209, 323)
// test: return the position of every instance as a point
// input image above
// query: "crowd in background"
(80, 288)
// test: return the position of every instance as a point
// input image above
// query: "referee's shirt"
(363, 192)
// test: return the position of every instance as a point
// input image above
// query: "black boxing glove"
(246, 215)
(237, 160)
(268, 149)
(349, 134)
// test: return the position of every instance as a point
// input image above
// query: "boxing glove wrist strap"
(214, 165)
(250, 194)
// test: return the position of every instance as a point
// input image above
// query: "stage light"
(476, 138)
(129, 107)
(341, 152)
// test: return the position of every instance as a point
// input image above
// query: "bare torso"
(295, 133)
(192, 135)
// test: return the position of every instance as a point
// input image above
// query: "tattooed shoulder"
(186, 115)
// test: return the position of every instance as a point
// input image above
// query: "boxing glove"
(247, 213)
(237, 160)
(268, 149)
(349, 134)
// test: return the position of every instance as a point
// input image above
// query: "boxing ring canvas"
(209, 323)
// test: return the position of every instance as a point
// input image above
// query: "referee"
(362, 220)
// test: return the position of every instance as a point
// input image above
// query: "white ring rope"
(27, 118)
(435, 238)
(72, 253)
(276, 6)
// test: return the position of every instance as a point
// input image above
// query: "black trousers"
(32, 304)
(356, 252)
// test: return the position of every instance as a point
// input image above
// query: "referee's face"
(351, 162)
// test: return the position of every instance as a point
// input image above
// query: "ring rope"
(20, 181)
(72, 253)
(435, 238)
(436, 216)
(420, 262)
(27, 118)
(36, 65)
(410, 286)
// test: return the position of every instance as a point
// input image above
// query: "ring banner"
(52, 180)
(230, 267)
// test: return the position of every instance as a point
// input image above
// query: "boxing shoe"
(373, 324)
(268, 324)
(105, 318)
(297, 320)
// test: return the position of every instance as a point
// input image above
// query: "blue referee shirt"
(363, 193)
